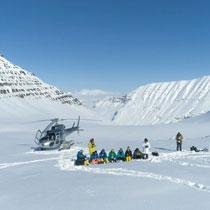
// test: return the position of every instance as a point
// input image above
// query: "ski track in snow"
(175, 157)
(65, 153)
(65, 164)
(8, 165)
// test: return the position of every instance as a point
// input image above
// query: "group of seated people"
(102, 157)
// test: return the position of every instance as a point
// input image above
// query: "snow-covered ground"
(49, 180)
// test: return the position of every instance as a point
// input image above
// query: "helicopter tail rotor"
(78, 122)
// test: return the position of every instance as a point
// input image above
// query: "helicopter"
(54, 135)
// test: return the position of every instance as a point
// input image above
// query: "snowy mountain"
(160, 103)
(22, 94)
(17, 82)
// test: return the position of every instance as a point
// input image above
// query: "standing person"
(146, 148)
(91, 146)
(179, 139)
(128, 154)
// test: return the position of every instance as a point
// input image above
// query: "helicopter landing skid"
(66, 145)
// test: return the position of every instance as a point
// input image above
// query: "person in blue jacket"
(112, 156)
(103, 156)
(121, 155)
(81, 158)
(94, 158)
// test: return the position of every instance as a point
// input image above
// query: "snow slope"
(23, 95)
(160, 103)
(29, 109)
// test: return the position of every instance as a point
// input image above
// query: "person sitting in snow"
(179, 139)
(121, 155)
(112, 156)
(81, 159)
(91, 146)
(94, 158)
(103, 156)
(128, 154)
(146, 148)
(137, 154)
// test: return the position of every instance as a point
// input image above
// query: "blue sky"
(115, 45)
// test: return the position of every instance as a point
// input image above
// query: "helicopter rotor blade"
(86, 119)
(37, 121)
(62, 119)
(74, 119)
(78, 122)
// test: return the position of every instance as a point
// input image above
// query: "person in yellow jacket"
(91, 146)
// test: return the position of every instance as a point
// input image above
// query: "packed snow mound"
(17, 82)
(160, 103)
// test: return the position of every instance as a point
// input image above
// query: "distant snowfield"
(49, 180)
(30, 109)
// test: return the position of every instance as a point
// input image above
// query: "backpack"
(193, 148)
(155, 154)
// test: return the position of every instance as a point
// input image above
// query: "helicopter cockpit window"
(57, 136)
(52, 136)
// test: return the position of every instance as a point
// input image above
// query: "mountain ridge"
(18, 82)
(161, 102)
